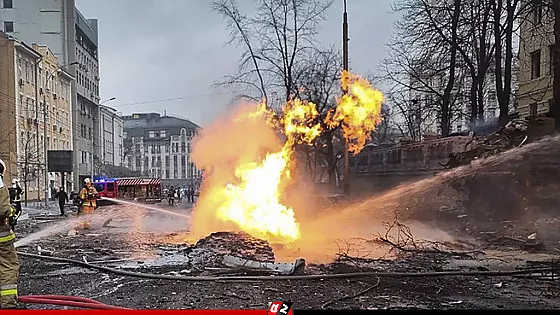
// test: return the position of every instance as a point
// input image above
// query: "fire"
(254, 204)
(244, 187)
(359, 111)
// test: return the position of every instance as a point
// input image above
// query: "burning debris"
(236, 251)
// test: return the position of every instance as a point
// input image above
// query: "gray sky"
(163, 49)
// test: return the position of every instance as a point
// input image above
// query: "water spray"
(182, 215)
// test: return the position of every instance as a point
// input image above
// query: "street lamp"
(107, 100)
(346, 176)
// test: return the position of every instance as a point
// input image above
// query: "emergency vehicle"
(146, 190)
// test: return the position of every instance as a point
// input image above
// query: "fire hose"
(294, 277)
(64, 300)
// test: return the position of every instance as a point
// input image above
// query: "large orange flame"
(243, 189)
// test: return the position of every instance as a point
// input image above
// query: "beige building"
(35, 110)
(535, 62)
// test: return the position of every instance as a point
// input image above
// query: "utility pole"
(45, 142)
(37, 101)
(346, 175)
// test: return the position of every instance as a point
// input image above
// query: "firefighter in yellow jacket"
(9, 263)
(88, 197)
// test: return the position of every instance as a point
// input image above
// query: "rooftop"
(140, 123)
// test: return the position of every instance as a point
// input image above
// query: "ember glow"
(248, 162)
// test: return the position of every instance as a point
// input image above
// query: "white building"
(72, 38)
(111, 143)
(160, 146)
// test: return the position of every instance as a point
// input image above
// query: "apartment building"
(160, 146)
(36, 113)
(111, 150)
(536, 55)
(73, 39)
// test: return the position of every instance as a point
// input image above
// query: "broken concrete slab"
(280, 268)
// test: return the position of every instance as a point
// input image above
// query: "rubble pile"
(210, 251)
(511, 135)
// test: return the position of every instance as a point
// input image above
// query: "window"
(152, 134)
(536, 64)
(551, 56)
(125, 134)
(166, 173)
(162, 134)
(8, 27)
(7, 4)
(533, 110)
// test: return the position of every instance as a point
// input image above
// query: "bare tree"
(423, 59)
(274, 39)
(505, 18)
(319, 83)
(29, 160)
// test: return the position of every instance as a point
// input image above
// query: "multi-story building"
(35, 113)
(536, 55)
(111, 150)
(72, 38)
(160, 146)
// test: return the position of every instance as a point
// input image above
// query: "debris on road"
(279, 268)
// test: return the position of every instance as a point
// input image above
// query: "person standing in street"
(88, 197)
(9, 263)
(62, 197)
(171, 196)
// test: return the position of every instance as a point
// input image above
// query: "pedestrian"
(171, 196)
(179, 195)
(191, 194)
(62, 197)
(9, 263)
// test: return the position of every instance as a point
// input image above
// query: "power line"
(176, 98)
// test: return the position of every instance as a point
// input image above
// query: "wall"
(535, 36)
(8, 144)
(380, 169)
(38, 22)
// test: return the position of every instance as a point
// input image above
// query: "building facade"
(36, 114)
(72, 38)
(111, 144)
(536, 55)
(160, 146)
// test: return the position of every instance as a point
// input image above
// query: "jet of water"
(70, 223)
(182, 215)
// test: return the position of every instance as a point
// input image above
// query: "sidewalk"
(39, 207)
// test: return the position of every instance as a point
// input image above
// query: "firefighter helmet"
(87, 180)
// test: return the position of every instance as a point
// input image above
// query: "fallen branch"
(303, 277)
(349, 297)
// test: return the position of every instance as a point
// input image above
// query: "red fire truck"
(133, 189)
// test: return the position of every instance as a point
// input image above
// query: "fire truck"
(146, 190)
